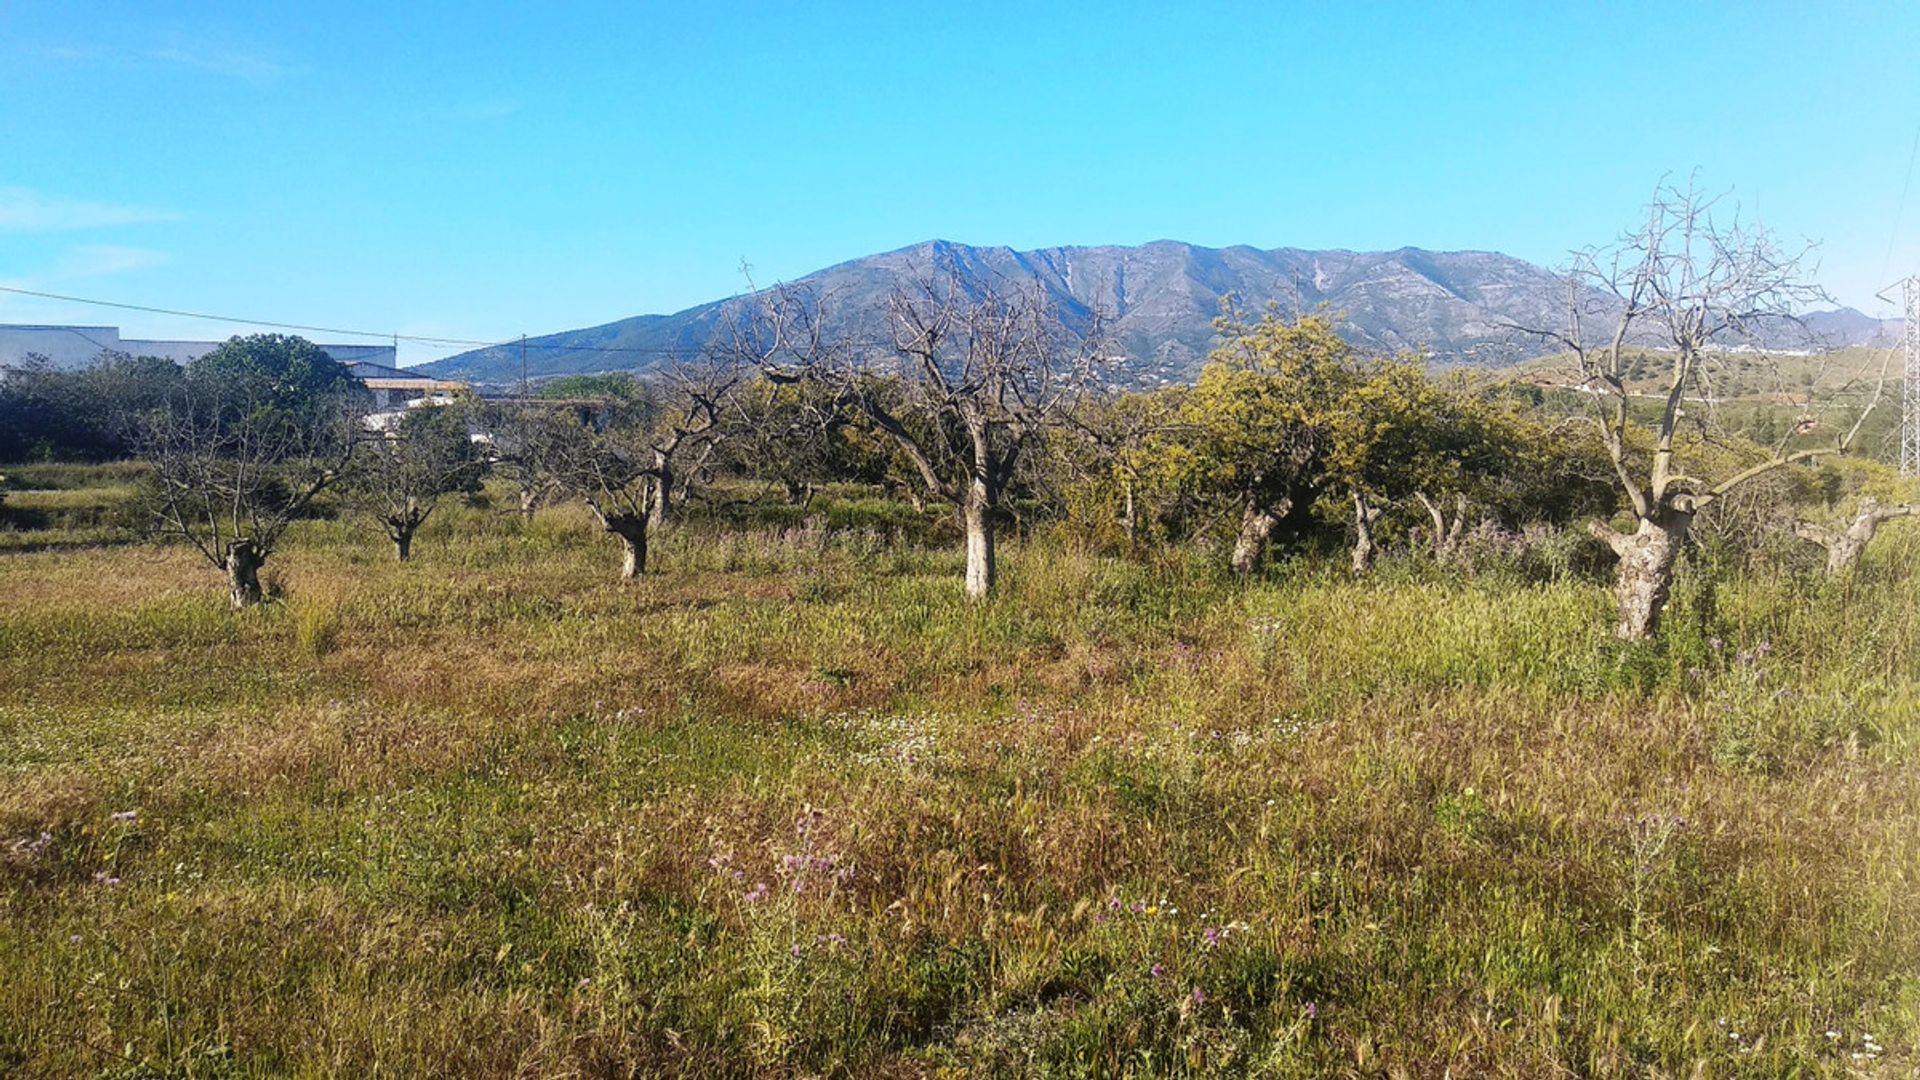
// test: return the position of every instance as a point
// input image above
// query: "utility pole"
(523, 367)
(1910, 393)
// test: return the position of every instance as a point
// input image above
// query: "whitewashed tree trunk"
(1446, 535)
(977, 514)
(662, 488)
(1645, 575)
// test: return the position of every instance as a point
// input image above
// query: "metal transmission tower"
(1910, 392)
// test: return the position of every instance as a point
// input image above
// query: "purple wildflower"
(1156, 971)
(757, 893)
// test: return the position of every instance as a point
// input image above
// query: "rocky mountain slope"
(1160, 299)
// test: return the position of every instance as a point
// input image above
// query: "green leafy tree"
(277, 372)
(82, 415)
(1258, 427)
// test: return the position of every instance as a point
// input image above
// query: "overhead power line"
(384, 335)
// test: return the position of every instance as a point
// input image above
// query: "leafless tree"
(230, 486)
(513, 430)
(968, 380)
(1690, 287)
(622, 462)
(1846, 544)
(400, 475)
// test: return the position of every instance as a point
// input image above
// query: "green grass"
(492, 813)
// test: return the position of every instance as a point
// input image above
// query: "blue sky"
(478, 170)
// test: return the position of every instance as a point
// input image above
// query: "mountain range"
(1159, 301)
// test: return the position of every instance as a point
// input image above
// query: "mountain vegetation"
(1156, 303)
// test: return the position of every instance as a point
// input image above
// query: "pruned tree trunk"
(1364, 547)
(244, 559)
(1645, 574)
(1446, 535)
(662, 488)
(531, 496)
(977, 514)
(1846, 546)
(401, 526)
(1256, 528)
(632, 531)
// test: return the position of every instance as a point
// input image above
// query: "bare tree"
(622, 461)
(1691, 288)
(968, 381)
(230, 486)
(1845, 545)
(513, 430)
(401, 474)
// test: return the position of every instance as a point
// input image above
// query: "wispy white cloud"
(25, 210)
(208, 51)
(232, 63)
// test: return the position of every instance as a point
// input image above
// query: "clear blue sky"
(483, 170)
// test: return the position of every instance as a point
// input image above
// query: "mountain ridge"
(1159, 298)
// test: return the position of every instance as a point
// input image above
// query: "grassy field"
(789, 806)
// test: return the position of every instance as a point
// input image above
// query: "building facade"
(68, 347)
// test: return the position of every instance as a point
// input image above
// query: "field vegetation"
(793, 805)
(818, 707)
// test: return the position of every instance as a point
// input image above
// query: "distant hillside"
(1160, 299)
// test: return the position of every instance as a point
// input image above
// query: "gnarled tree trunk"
(1257, 523)
(244, 559)
(531, 496)
(632, 531)
(1446, 535)
(1844, 547)
(662, 487)
(976, 513)
(1645, 574)
(401, 526)
(1365, 513)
